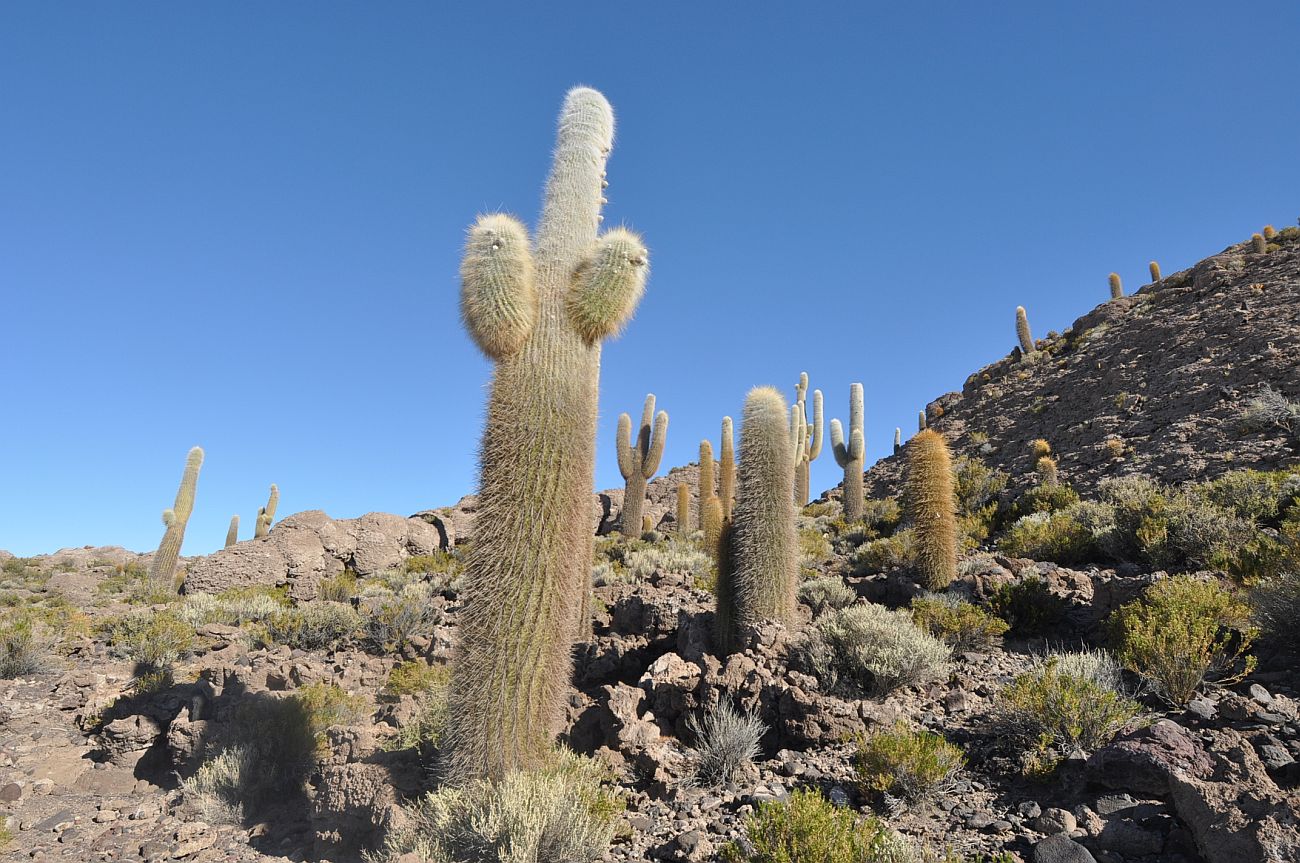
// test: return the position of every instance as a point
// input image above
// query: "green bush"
(882, 515)
(678, 555)
(327, 704)
(1167, 528)
(153, 640)
(311, 626)
(826, 594)
(25, 644)
(867, 647)
(909, 764)
(1044, 499)
(890, 552)
(1258, 496)
(438, 563)
(1052, 536)
(809, 829)
(976, 485)
(1182, 632)
(960, 624)
(1028, 606)
(814, 547)
(415, 678)
(341, 587)
(565, 813)
(428, 684)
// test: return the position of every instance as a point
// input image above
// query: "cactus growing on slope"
(898, 440)
(761, 548)
(163, 568)
(1155, 271)
(638, 458)
(541, 313)
(683, 509)
(727, 469)
(813, 437)
(1022, 331)
(266, 515)
(232, 532)
(932, 509)
(1258, 244)
(850, 454)
(1116, 287)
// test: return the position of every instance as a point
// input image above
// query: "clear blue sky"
(238, 225)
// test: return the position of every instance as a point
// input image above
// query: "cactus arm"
(608, 285)
(815, 447)
(498, 297)
(727, 468)
(627, 453)
(163, 568)
(655, 451)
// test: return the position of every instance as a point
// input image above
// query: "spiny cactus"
(898, 439)
(1258, 244)
(638, 458)
(266, 515)
(711, 522)
(683, 509)
(1039, 448)
(727, 469)
(163, 568)
(1022, 331)
(760, 555)
(1155, 271)
(932, 509)
(920, 421)
(709, 503)
(812, 436)
(647, 524)
(706, 485)
(1269, 232)
(232, 533)
(851, 454)
(1045, 467)
(540, 312)
(1116, 287)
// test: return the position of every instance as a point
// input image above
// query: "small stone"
(1000, 826)
(1054, 821)
(838, 796)
(11, 793)
(1260, 695)
(1202, 707)
(979, 821)
(1274, 758)
(1029, 809)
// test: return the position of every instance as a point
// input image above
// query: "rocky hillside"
(1156, 382)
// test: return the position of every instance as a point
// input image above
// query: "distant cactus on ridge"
(638, 458)
(850, 454)
(163, 568)
(1022, 331)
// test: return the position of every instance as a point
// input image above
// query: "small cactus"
(1155, 272)
(1258, 244)
(163, 568)
(1022, 331)
(266, 515)
(898, 440)
(1040, 448)
(683, 509)
(932, 509)
(647, 524)
(1116, 287)
(1045, 467)
(232, 533)
(851, 454)
(757, 576)
(920, 421)
(813, 436)
(1269, 232)
(638, 458)
(727, 469)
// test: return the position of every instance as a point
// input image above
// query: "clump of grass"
(25, 644)
(726, 743)
(910, 764)
(341, 587)
(826, 594)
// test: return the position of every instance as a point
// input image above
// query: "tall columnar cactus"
(540, 313)
(920, 421)
(1155, 271)
(163, 569)
(898, 440)
(683, 509)
(851, 454)
(710, 506)
(1022, 331)
(760, 546)
(638, 458)
(1258, 244)
(1116, 287)
(232, 533)
(266, 515)
(812, 439)
(706, 484)
(727, 469)
(932, 509)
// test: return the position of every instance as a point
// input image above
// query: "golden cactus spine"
(1022, 331)
(232, 532)
(266, 515)
(1116, 287)
(163, 568)
(683, 509)
(1046, 470)
(1039, 447)
(760, 548)
(1269, 232)
(1154, 268)
(710, 505)
(540, 312)
(727, 469)
(932, 509)
(850, 454)
(647, 524)
(638, 458)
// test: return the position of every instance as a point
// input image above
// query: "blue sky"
(238, 225)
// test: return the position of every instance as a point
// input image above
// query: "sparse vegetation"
(906, 763)
(807, 827)
(958, 623)
(726, 743)
(1028, 606)
(826, 594)
(25, 644)
(872, 649)
(316, 625)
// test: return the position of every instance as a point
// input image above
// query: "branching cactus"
(266, 515)
(232, 533)
(851, 454)
(813, 439)
(540, 312)
(163, 569)
(761, 549)
(683, 509)
(1116, 287)
(727, 469)
(1022, 332)
(932, 509)
(638, 458)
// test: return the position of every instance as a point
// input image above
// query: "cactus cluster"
(808, 437)
(850, 454)
(163, 568)
(932, 509)
(1022, 333)
(540, 311)
(638, 458)
(266, 515)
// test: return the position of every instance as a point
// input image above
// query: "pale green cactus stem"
(727, 470)
(638, 458)
(541, 314)
(920, 421)
(757, 578)
(851, 454)
(1116, 287)
(1022, 332)
(707, 497)
(163, 569)
(266, 515)
(232, 533)
(898, 439)
(683, 509)
(813, 437)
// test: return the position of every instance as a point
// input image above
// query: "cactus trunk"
(850, 454)
(727, 469)
(638, 459)
(932, 509)
(163, 569)
(1022, 332)
(232, 533)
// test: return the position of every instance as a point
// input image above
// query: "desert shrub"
(341, 587)
(1044, 499)
(1265, 555)
(1070, 536)
(428, 684)
(1276, 606)
(153, 640)
(1028, 606)
(870, 648)
(232, 607)
(889, 552)
(908, 764)
(976, 485)
(438, 563)
(882, 515)
(1258, 496)
(958, 623)
(327, 704)
(415, 678)
(1182, 632)
(565, 813)
(829, 593)
(1269, 410)
(25, 644)
(392, 620)
(1098, 666)
(1054, 710)
(726, 743)
(310, 626)
(808, 828)
(132, 584)
(819, 508)
(677, 555)
(1167, 528)
(814, 547)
